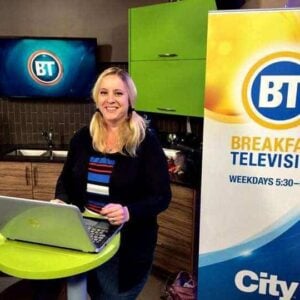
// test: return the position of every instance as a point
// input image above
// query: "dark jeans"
(103, 283)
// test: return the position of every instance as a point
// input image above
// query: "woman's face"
(113, 100)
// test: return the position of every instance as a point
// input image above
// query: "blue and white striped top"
(99, 173)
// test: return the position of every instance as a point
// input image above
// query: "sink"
(59, 153)
(37, 153)
(27, 152)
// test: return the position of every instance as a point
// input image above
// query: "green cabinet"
(161, 30)
(167, 50)
(183, 82)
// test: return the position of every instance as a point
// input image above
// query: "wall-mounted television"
(33, 67)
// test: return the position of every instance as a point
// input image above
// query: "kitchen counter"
(4, 149)
(188, 179)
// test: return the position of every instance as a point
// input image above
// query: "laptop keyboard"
(96, 233)
(97, 230)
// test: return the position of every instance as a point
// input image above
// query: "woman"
(117, 168)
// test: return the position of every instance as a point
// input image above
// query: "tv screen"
(47, 67)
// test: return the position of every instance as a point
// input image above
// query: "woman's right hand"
(115, 213)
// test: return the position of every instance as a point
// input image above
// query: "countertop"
(188, 179)
(4, 149)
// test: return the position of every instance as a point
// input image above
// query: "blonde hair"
(132, 131)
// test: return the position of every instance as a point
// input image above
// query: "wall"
(105, 20)
(23, 121)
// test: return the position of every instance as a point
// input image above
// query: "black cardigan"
(140, 183)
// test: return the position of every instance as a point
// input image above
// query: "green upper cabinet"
(167, 54)
(175, 30)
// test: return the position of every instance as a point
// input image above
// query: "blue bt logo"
(271, 91)
(45, 68)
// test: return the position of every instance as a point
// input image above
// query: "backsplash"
(22, 121)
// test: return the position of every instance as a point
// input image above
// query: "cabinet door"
(174, 30)
(174, 251)
(172, 87)
(16, 179)
(44, 179)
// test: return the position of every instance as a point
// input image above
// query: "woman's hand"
(115, 213)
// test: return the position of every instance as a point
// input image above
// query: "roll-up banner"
(249, 246)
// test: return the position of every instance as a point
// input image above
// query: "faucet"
(49, 138)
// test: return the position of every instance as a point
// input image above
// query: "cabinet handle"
(35, 174)
(167, 55)
(166, 109)
(27, 175)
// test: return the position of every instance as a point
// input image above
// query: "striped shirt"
(99, 173)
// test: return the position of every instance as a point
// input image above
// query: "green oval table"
(33, 261)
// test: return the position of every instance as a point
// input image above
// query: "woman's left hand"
(115, 213)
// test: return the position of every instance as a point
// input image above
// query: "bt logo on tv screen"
(45, 68)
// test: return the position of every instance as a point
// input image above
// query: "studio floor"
(153, 289)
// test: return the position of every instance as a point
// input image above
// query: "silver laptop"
(60, 225)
